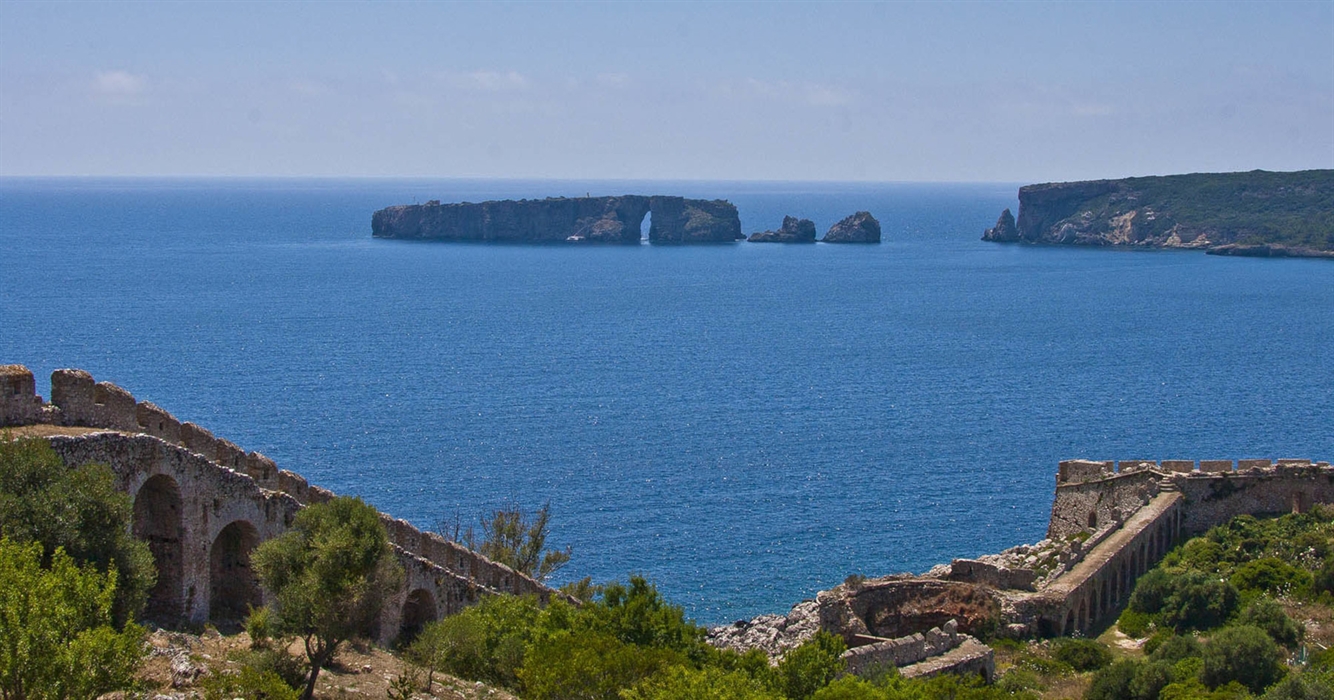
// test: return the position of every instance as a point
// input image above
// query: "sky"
(903, 91)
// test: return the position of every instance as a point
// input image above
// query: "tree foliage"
(57, 639)
(330, 575)
(77, 509)
(1244, 654)
(516, 539)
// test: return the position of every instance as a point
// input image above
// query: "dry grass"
(40, 430)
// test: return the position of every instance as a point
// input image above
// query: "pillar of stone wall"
(19, 402)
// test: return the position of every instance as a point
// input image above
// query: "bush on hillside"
(1198, 601)
(1082, 654)
(1175, 648)
(810, 666)
(1244, 654)
(685, 683)
(1268, 615)
(56, 635)
(77, 509)
(1303, 687)
(1270, 575)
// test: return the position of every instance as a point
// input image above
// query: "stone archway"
(157, 521)
(233, 588)
(418, 610)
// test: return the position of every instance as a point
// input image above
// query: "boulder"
(794, 230)
(858, 228)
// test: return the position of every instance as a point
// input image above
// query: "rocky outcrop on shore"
(1260, 214)
(858, 228)
(563, 220)
(794, 230)
(775, 635)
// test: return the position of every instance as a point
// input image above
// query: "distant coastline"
(1252, 214)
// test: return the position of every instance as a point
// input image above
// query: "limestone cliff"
(794, 230)
(1258, 213)
(562, 220)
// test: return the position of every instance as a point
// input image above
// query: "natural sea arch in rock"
(418, 610)
(233, 588)
(157, 521)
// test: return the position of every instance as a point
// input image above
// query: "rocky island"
(793, 230)
(858, 228)
(563, 220)
(1256, 213)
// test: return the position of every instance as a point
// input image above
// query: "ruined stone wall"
(1154, 505)
(203, 504)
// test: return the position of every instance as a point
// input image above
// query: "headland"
(1257, 213)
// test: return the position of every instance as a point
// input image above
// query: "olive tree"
(329, 575)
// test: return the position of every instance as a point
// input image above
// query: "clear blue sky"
(860, 91)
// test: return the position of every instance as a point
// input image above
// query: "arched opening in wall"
(157, 521)
(1069, 624)
(233, 588)
(417, 612)
(1093, 520)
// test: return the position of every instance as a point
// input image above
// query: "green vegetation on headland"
(1253, 213)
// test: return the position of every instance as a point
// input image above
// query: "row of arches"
(1107, 591)
(233, 587)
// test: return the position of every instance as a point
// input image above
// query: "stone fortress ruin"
(203, 504)
(1110, 523)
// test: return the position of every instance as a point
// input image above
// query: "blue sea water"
(744, 424)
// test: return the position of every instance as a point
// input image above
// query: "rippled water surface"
(745, 424)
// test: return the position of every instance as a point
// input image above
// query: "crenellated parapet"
(203, 504)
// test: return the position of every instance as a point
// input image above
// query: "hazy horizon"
(692, 92)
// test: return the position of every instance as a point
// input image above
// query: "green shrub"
(1198, 601)
(682, 683)
(588, 666)
(1113, 682)
(1243, 654)
(1043, 665)
(56, 634)
(1300, 688)
(249, 684)
(1270, 575)
(1082, 654)
(638, 614)
(484, 642)
(259, 627)
(77, 509)
(1175, 648)
(271, 659)
(1151, 591)
(1150, 679)
(1269, 616)
(810, 666)
(1134, 623)
(1323, 581)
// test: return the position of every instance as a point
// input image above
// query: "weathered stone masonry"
(203, 504)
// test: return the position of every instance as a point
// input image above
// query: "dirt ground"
(179, 662)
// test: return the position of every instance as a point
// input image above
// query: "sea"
(742, 424)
